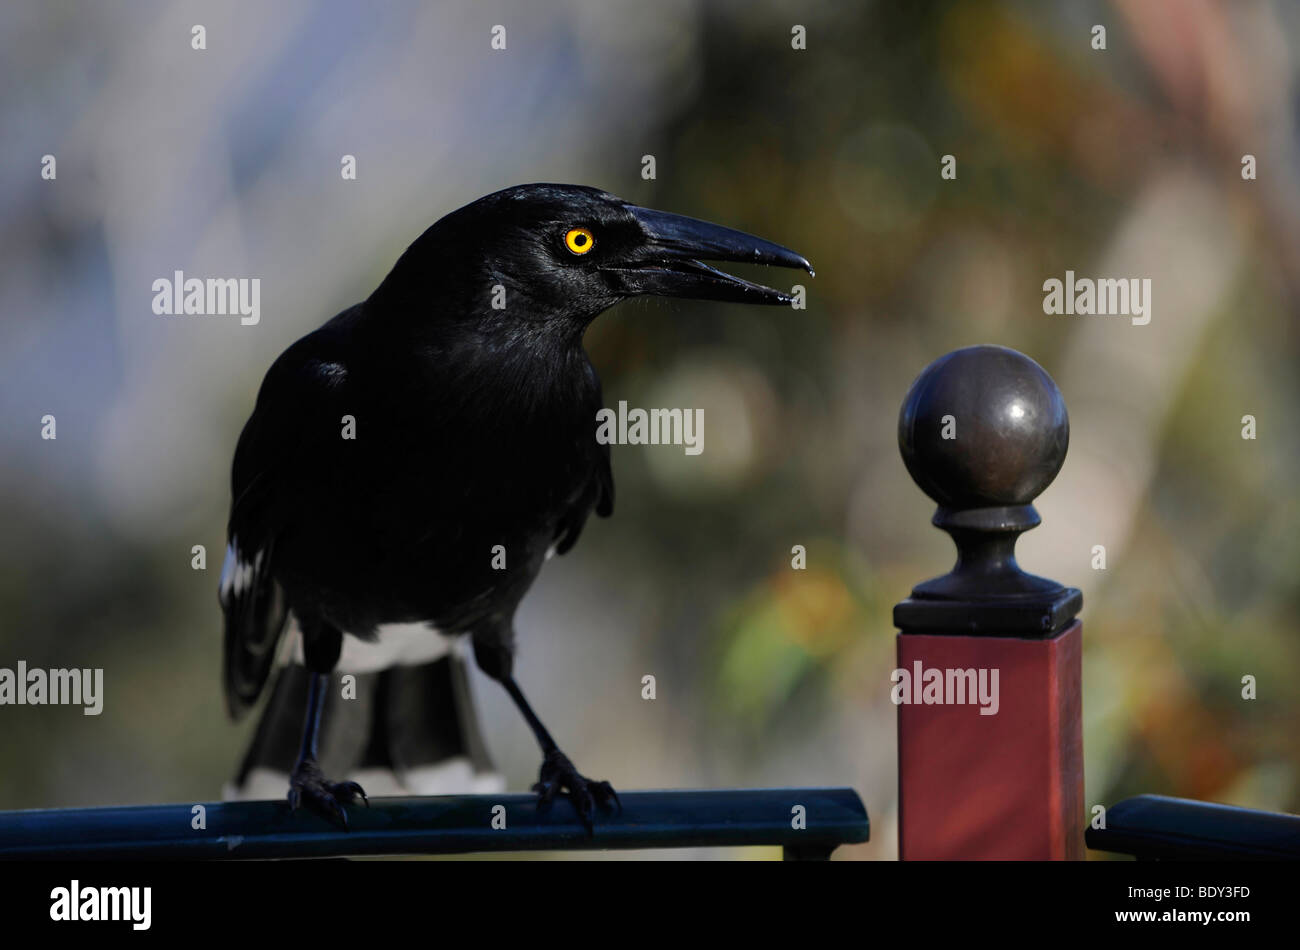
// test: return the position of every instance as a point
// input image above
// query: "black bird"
(397, 453)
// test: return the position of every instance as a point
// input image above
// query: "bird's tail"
(398, 718)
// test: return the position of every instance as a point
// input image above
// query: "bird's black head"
(558, 255)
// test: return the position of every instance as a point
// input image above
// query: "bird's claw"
(307, 784)
(558, 774)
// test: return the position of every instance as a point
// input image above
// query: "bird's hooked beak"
(670, 261)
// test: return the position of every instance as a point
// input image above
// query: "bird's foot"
(558, 774)
(307, 784)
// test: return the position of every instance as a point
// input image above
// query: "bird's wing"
(598, 490)
(597, 494)
(283, 448)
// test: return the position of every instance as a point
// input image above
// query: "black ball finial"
(983, 431)
(983, 426)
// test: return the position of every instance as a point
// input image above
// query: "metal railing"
(1154, 827)
(808, 823)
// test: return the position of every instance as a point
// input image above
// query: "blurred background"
(1122, 162)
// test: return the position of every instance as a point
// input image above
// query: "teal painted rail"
(442, 825)
(1155, 827)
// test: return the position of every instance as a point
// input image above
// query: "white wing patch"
(236, 574)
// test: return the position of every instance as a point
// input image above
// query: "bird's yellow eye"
(579, 240)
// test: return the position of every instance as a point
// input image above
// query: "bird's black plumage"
(472, 412)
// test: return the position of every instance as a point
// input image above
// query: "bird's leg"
(557, 772)
(306, 782)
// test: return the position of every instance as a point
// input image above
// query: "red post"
(1003, 786)
(989, 677)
